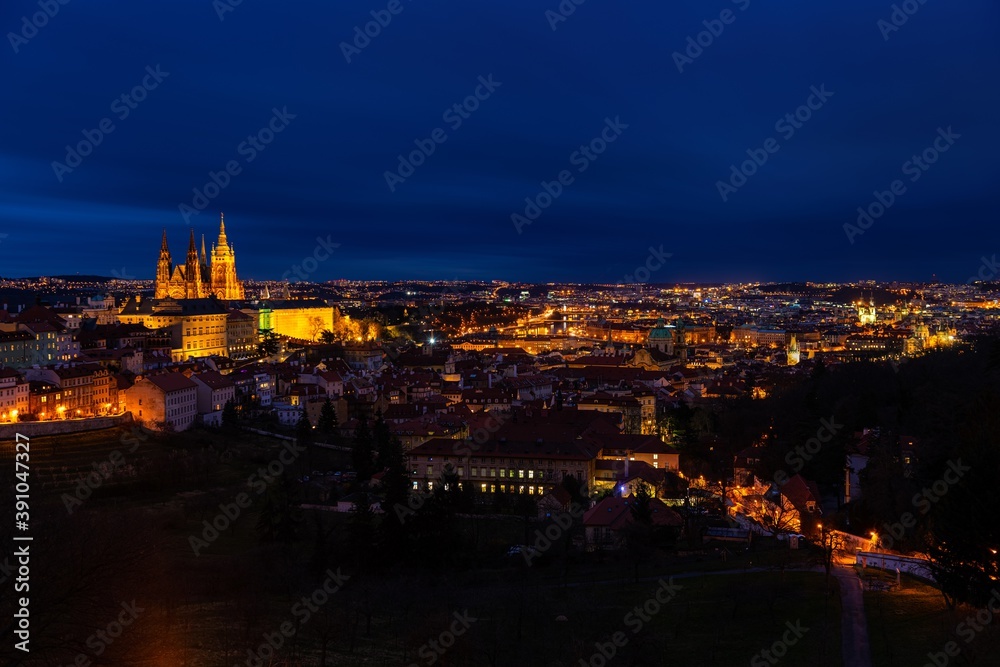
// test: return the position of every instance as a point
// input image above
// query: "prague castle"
(202, 307)
(197, 278)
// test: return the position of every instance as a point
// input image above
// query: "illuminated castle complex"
(196, 278)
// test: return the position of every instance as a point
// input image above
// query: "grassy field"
(907, 624)
(211, 609)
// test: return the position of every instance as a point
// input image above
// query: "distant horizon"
(677, 283)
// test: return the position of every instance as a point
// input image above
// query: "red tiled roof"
(169, 382)
(616, 513)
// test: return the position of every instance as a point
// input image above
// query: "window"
(503, 473)
(520, 474)
(430, 471)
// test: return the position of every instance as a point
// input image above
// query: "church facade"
(199, 277)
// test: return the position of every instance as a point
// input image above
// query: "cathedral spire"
(191, 246)
(204, 255)
(163, 244)
(222, 242)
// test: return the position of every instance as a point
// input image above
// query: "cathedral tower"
(225, 284)
(164, 267)
(206, 274)
(192, 272)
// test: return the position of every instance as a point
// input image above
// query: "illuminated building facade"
(197, 327)
(866, 312)
(304, 319)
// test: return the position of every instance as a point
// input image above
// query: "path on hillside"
(854, 626)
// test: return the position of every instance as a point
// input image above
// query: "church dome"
(661, 331)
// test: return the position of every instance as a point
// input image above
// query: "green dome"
(661, 331)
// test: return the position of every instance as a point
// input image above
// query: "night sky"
(655, 185)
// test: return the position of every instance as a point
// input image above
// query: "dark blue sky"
(656, 184)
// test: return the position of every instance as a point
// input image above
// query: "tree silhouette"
(269, 344)
(303, 431)
(328, 424)
(362, 456)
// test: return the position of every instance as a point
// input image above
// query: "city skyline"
(647, 111)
